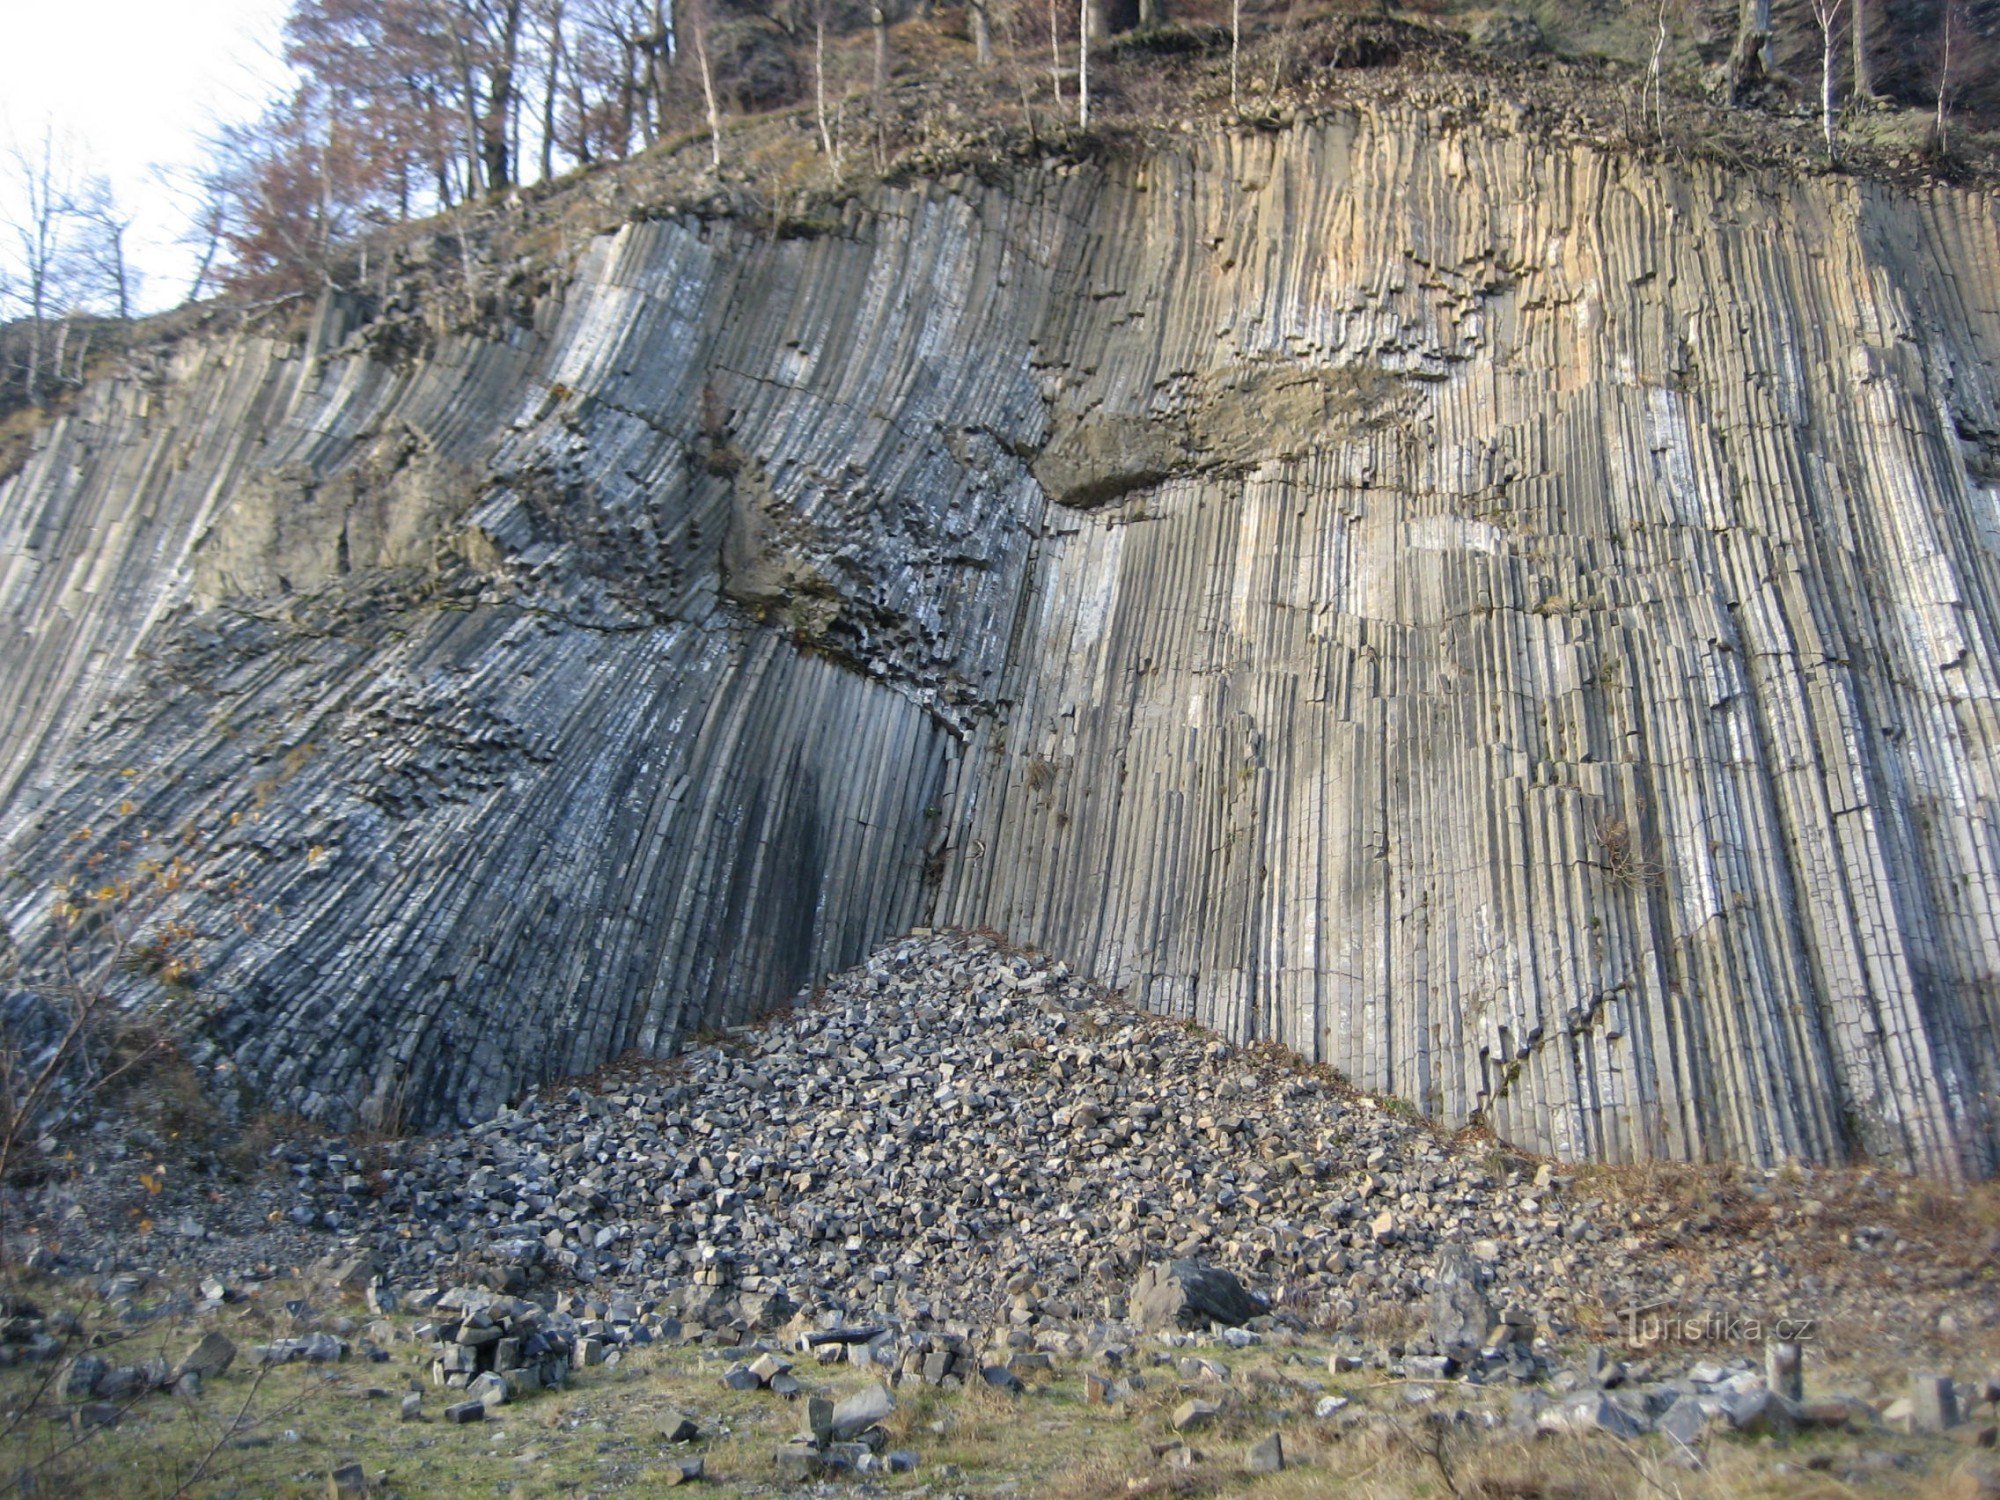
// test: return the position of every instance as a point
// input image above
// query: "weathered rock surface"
(1186, 1294)
(1514, 623)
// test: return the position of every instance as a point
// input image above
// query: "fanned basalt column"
(1513, 622)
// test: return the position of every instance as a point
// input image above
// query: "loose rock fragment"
(1266, 1455)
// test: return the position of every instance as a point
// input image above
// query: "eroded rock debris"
(960, 1134)
(960, 1164)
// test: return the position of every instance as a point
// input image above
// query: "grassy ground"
(283, 1431)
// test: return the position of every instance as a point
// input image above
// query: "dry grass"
(604, 1436)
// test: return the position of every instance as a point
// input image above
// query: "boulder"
(864, 1409)
(1460, 1315)
(1186, 1294)
(1190, 1415)
(1266, 1455)
(212, 1354)
(85, 1374)
(1933, 1403)
(1002, 1379)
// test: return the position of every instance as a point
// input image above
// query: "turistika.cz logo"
(1668, 1325)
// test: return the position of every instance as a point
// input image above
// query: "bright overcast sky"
(136, 85)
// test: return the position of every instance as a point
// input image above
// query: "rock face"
(1514, 623)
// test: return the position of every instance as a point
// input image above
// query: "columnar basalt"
(1513, 622)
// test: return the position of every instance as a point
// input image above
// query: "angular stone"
(1191, 1416)
(1784, 1369)
(1187, 1294)
(799, 1465)
(1757, 1410)
(96, 1414)
(1459, 1314)
(1266, 1455)
(1002, 1379)
(1691, 1420)
(866, 1408)
(1593, 1412)
(1933, 1402)
(211, 1356)
(83, 1375)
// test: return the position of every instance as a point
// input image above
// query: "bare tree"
(982, 32)
(1826, 15)
(40, 218)
(826, 141)
(1864, 83)
(105, 225)
(1083, 64)
(502, 24)
(1656, 77)
(1281, 55)
(551, 84)
(205, 232)
(1945, 31)
(73, 1036)
(1055, 54)
(1748, 61)
(698, 23)
(1235, 53)
(468, 96)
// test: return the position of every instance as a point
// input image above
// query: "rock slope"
(961, 1165)
(1512, 622)
(957, 1133)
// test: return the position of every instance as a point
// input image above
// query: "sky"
(134, 86)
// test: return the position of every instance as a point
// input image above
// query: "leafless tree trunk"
(661, 49)
(1944, 74)
(579, 101)
(1864, 83)
(1748, 60)
(106, 250)
(468, 98)
(551, 84)
(1282, 55)
(1055, 56)
(879, 19)
(41, 231)
(1235, 53)
(982, 33)
(500, 98)
(699, 17)
(206, 231)
(1826, 15)
(1083, 64)
(819, 87)
(1656, 77)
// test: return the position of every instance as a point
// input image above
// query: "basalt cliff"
(1514, 622)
